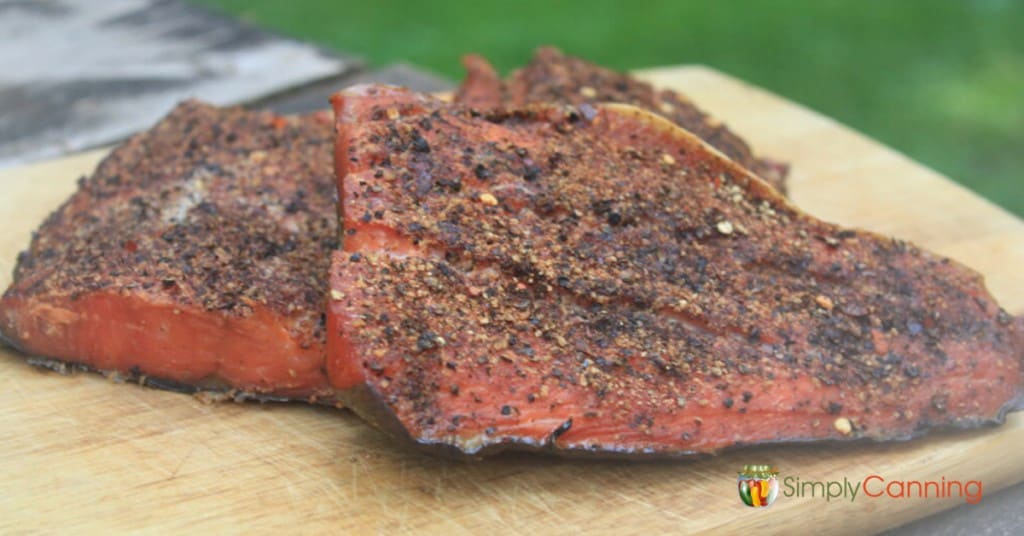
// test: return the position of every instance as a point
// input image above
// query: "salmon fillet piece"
(194, 258)
(556, 78)
(596, 280)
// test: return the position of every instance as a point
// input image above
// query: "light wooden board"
(82, 452)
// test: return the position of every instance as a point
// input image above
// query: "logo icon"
(758, 485)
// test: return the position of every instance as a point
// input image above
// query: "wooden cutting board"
(85, 453)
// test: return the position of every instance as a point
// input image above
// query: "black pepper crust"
(219, 208)
(556, 78)
(193, 259)
(605, 268)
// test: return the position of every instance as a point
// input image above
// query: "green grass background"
(941, 80)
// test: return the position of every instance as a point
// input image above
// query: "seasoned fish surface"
(596, 280)
(556, 78)
(196, 255)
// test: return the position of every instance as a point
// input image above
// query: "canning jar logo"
(758, 485)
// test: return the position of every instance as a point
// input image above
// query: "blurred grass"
(940, 80)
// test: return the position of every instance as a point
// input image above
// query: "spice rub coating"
(556, 78)
(599, 281)
(196, 253)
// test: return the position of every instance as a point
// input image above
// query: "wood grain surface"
(79, 452)
(80, 73)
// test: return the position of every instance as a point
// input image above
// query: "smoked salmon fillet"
(556, 78)
(596, 280)
(194, 258)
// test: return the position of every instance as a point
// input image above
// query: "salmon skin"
(595, 280)
(556, 78)
(194, 258)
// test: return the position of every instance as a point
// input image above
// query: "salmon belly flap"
(596, 280)
(195, 258)
(554, 77)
